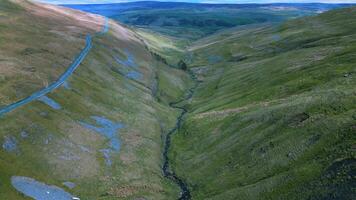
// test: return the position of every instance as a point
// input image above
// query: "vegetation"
(274, 115)
(168, 49)
(194, 20)
(52, 145)
(26, 64)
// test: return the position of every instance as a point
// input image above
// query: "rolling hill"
(273, 116)
(194, 20)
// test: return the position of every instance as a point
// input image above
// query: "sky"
(197, 1)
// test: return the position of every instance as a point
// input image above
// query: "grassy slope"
(170, 48)
(26, 63)
(274, 116)
(97, 88)
(193, 23)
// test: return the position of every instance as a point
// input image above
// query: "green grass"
(274, 119)
(97, 89)
(27, 64)
(171, 49)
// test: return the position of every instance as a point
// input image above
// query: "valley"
(273, 117)
(109, 102)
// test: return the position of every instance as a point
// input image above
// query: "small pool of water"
(134, 75)
(9, 144)
(129, 62)
(24, 134)
(106, 128)
(37, 190)
(69, 184)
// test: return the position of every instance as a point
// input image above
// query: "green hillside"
(33, 53)
(193, 21)
(196, 23)
(119, 84)
(274, 114)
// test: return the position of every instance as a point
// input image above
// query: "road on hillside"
(75, 64)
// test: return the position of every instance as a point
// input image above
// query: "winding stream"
(185, 193)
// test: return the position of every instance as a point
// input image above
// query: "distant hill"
(174, 5)
(192, 20)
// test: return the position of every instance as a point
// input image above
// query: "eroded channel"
(167, 172)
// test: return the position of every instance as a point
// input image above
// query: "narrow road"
(75, 64)
(168, 173)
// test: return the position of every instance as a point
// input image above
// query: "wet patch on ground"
(106, 128)
(48, 139)
(37, 190)
(107, 156)
(24, 134)
(134, 75)
(214, 59)
(276, 37)
(109, 130)
(69, 184)
(131, 67)
(130, 60)
(9, 144)
(66, 85)
(50, 102)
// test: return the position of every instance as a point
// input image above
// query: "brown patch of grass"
(126, 191)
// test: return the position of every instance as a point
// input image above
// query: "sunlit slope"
(102, 130)
(170, 49)
(274, 115)
(37, 44)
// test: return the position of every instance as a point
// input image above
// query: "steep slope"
(274, 114)
(29, 46)
(103, 129)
